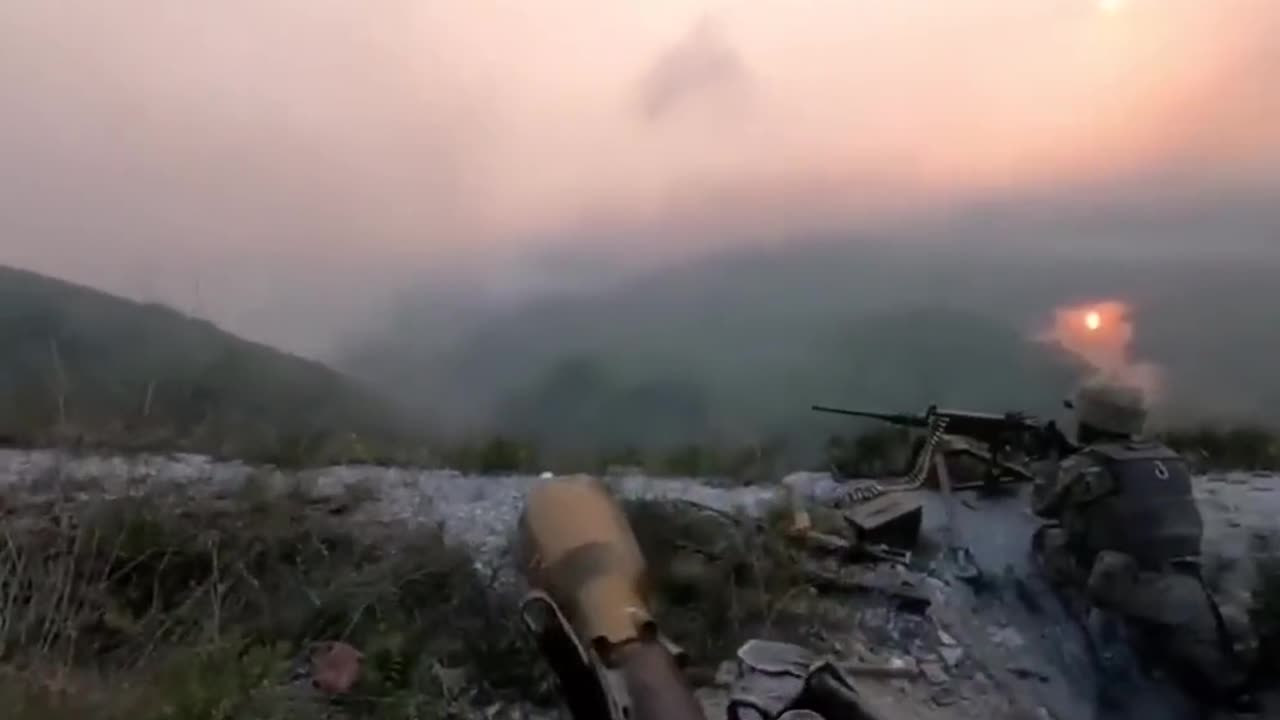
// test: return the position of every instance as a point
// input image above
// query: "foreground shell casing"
(578, 546)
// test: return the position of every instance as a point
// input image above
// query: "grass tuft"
(159, 606)
(199, 611)
(718, 580)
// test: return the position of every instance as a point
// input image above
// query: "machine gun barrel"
(589, 608)
(893, 418)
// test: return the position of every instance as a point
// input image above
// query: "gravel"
(481, 511)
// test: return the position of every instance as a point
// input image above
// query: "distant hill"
(79, 365)
(740, 344)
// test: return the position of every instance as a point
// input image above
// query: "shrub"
(1237, 448)
(717, 580)
(196, 612)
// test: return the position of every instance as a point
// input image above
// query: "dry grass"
(154, 607)
(718, 580)
(163, 607)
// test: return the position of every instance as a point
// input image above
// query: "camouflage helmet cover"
(1111, 407)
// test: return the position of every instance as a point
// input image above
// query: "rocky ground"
(978, 651)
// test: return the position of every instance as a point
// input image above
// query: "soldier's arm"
(1049, 496)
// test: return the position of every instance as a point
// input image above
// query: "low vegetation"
(1235, 448)
(718, 580)
(873, 454)
(157, 607)
(82, 367)
(161, 607)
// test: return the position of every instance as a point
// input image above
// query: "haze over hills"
(83, 364)
(591, 351)
(739, 344)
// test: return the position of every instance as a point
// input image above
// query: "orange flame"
(1101, 334)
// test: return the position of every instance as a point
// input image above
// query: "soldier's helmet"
(1111, 407)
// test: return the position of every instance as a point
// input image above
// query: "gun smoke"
(1101, 334)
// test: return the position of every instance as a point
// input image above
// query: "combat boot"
(1055, 559)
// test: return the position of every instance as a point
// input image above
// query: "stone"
(800, 715)
(776, 658)
(726, 673)
(1027, 673)
(905, 663)
(335, 667)
(934, 673)
(873, 618)
(1007, 637)
(452, 680)
(895, 668)
(951, 656)
(944, 697)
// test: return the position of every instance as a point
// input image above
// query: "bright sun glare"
(1111, 6)
(1093, 320)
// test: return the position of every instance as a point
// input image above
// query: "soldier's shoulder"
(1086, 476)
(1133, 450)
(1081, 462)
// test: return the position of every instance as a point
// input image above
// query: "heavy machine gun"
(1010, 439)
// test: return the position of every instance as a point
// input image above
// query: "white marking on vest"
(1162, 472)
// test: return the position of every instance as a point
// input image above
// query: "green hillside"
(735, 347)
(85, 367)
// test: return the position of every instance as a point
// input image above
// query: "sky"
(254, 160)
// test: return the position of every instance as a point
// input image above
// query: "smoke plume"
(1101, 334)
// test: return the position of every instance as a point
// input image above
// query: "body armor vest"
(1148, 510)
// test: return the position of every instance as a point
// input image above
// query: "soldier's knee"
(1056, 557)
(1111, 578)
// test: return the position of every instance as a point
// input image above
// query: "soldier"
(1128, 533)
(1118, 492)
